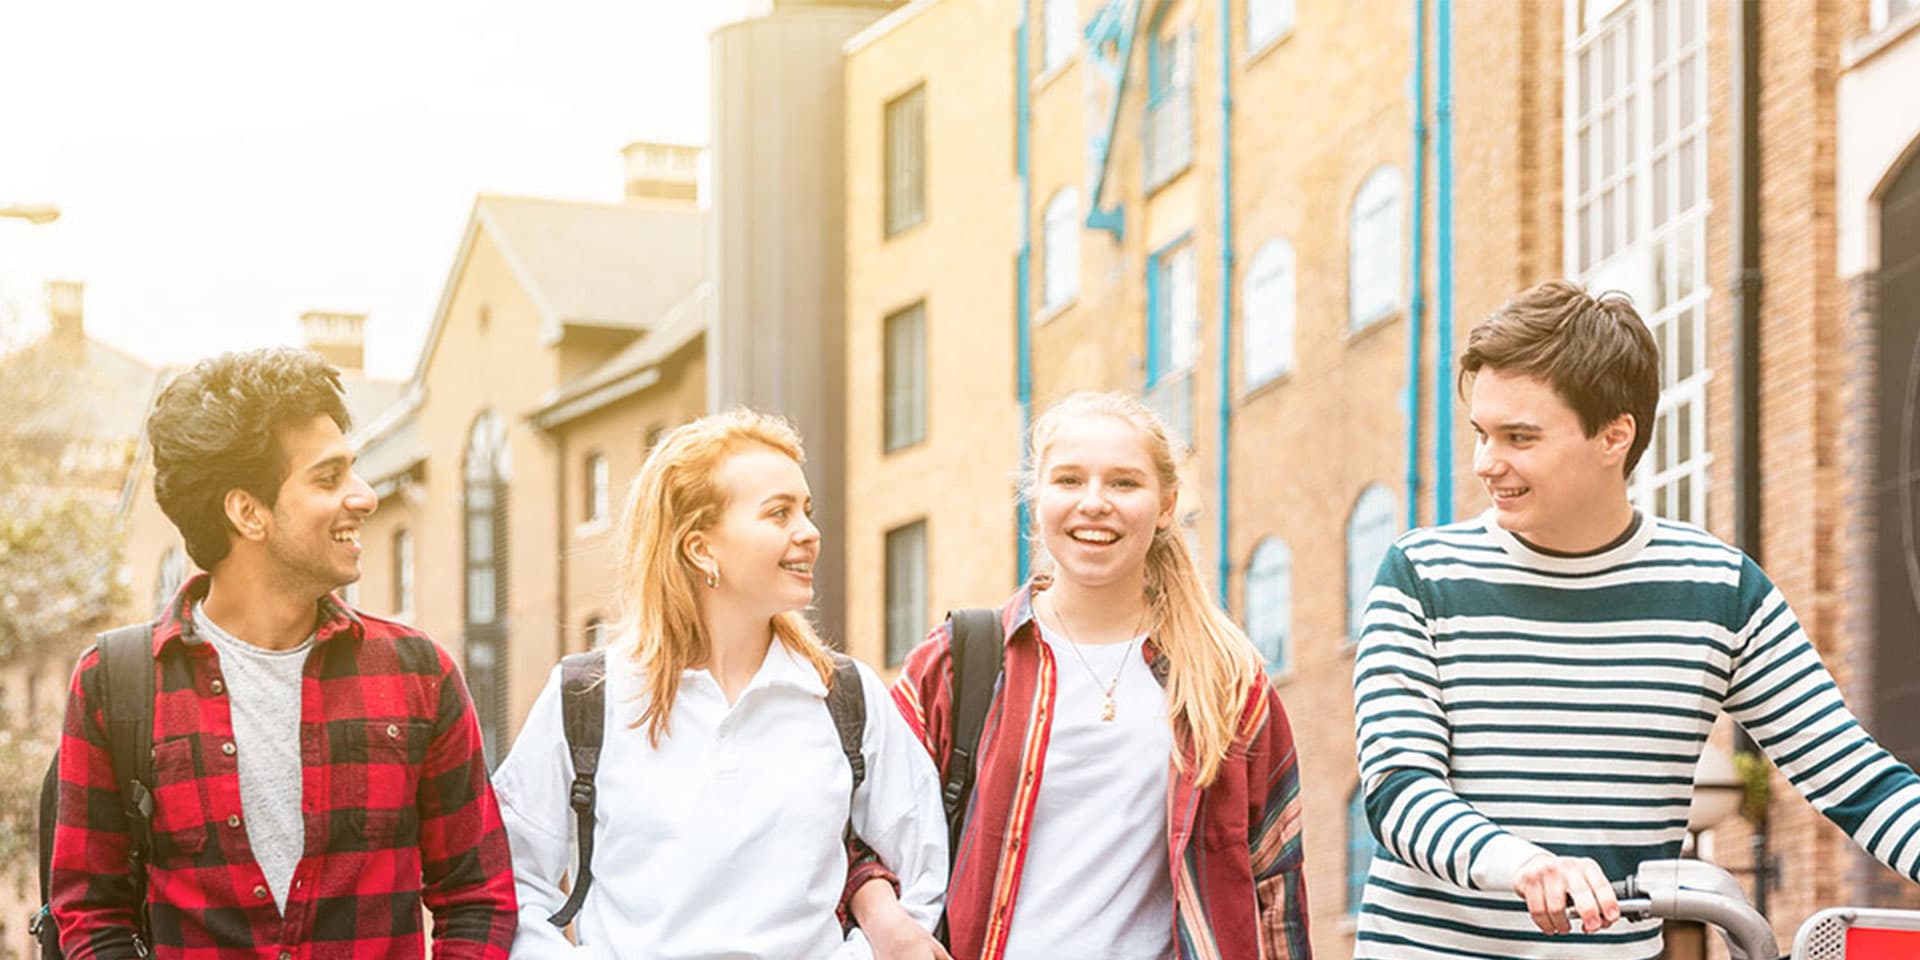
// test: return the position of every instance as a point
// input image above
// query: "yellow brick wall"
(960, 262)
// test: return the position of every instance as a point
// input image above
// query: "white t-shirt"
(1096, 884)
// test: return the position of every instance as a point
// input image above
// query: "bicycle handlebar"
(1697, 891)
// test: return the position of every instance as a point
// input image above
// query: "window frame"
(1060, 241)
(1268, 591)
(908, 399)
(595, 497)
(904, 172)
(1287, 11)
(1360, 577)
(1638, 112)
(904, 611)
(1278, 321)
(1376, 248)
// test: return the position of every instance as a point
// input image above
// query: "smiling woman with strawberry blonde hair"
(1135, 791)
(724, 784)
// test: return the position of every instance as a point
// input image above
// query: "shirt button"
(217, 687)
(284, 955)
(259, 892)
(393, 730)
(227, 748)
(233, 819)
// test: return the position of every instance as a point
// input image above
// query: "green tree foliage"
(61, 539)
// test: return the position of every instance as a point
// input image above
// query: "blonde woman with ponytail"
(723, 790)
(1136, 795)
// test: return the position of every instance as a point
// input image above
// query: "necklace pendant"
(1106, 711)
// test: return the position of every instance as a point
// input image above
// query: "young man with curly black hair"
(317, 771)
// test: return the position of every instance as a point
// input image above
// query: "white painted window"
(1267, 21)
(1890, 11)
(1269, 300)
(1269, 597)
(1375, 278)
(1637, 215)
(1370, 531)
(1060, 249)
(906, 590)
(906, 160)
(1059, 33)
(905, 377)
(596, 491)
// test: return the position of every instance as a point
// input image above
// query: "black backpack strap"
(847, 701)
(127, 674)
(583, 699)
(977, 647)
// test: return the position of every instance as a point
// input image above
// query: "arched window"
(1059, 34)
(1267, 21)
(1370, 531)
(484, 504)
(1269, 596)
(1374, 274)
(1360, 847)
(1269, 299)
(1060, 236)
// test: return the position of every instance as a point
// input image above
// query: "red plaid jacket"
(398, 810)
(1233, 847)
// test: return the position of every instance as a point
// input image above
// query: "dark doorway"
(1895, 684)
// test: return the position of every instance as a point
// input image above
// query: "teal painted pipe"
(1023, 282)
(1443, 313)
(1223, 506)
(1417, 299)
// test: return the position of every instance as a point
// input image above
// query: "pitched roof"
(632, 369)
(617, 266)
(104, 391)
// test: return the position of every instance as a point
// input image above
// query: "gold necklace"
(1107, 706)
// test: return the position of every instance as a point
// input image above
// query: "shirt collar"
(333, 618)
(781, 668)
(1019, 622)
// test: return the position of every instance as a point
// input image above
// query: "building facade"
(1266, 216)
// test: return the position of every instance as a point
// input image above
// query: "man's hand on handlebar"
(1551, 884)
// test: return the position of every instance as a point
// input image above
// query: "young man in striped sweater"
(1533, 686)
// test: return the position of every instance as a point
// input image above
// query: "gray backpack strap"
(847, 701)
(583, 700)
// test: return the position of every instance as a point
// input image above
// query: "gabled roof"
(105, 391)
(604, 265)
(631, 370)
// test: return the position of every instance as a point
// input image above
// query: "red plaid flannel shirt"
(1234, 848)
(395, 795)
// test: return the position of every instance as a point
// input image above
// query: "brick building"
(1235, 209)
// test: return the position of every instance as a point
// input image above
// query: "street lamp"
(32, 212)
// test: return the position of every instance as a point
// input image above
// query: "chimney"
(65, 305)
(340, 337)
(662, 171)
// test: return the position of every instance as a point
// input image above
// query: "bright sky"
(222, 167)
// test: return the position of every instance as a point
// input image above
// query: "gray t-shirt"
(263, 688)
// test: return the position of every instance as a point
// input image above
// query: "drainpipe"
(1443, 314)
(1744, 77)
(1222, 503)
(560, 545)
(1023, 282)
(1416, 301)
